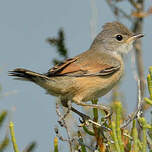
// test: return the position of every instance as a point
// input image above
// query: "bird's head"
(115, 37)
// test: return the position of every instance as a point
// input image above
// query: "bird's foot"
(108, 112)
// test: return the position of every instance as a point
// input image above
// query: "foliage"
(60, 46)
(5, 142)
(28, 148)
(149, 82)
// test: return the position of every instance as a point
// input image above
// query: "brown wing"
(59, 68)
(77, 68)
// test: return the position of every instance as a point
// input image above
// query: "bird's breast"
(89, 88)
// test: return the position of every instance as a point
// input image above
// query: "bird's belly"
(61, 86)
(82, 88)
(95, 87)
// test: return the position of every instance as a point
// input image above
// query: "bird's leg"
(66, 104)
(82, 115)
(85, 118)
(107, 110)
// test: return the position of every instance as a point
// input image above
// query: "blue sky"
(24, 28)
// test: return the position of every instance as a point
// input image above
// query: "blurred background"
(24, 28)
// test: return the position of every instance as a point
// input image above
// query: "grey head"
(115, 37)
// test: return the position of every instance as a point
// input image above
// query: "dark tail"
(24, 74)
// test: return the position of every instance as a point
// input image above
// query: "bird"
(91, 74)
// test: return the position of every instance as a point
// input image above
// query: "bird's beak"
(134, 37)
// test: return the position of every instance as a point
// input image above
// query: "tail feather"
(24, 74)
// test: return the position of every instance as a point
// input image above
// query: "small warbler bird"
(91, 74)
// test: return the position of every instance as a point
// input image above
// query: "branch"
(138, 28)
(134, 4)
(116, 10)
(64, 125)
(138, 112)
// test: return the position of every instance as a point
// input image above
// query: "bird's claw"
(108, 113)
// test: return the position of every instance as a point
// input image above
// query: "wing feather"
(75, 68)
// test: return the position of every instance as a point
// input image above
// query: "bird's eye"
(119, 37)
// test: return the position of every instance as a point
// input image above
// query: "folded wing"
(76, 67)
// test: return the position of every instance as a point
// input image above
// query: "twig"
(76, 139)
(30, 147)
(83, 144)
(140, 101)
(64, 125)
(138, 112)
(69, 107)
(4, 143)
(149, 143)
(114, 8)
(134, 4)
(59, 135)
(138, 28)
